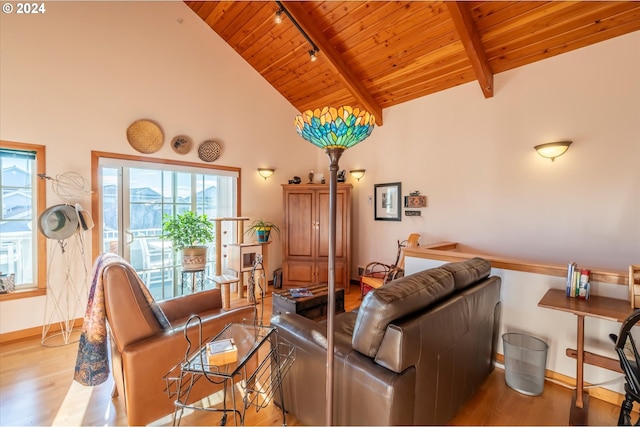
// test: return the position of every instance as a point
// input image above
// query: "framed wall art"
(387, 202)
(415, 201)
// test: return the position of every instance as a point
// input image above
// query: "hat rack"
(64, 226)
(68, 186)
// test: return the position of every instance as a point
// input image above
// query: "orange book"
(222, 352)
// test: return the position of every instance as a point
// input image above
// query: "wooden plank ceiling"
(375, 54)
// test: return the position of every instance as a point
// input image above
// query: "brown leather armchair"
(142, 352)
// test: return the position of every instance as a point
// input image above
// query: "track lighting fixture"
(313, 53)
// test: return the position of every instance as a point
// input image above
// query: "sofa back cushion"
(394, 300)
(128, 312)
(467, 272)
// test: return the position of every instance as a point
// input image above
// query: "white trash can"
(525, 361)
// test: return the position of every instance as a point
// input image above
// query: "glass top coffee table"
(259, 373)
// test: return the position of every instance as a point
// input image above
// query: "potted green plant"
(262, 229)
(189, 233)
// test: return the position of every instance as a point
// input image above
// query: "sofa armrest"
(168, 348)
(304, 387)
(303, 332)
(398, 350)
(365, 392)
(184, 306)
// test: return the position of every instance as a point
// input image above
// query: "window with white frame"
(22, 247)
(134, 196)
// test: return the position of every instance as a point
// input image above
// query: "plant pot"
(263, 235)
(194, 258)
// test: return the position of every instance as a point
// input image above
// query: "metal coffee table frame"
(258, 385)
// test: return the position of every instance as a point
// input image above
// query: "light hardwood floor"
(36, 388)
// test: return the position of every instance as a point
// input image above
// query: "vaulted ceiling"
(375, 54)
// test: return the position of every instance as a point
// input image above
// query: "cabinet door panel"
(323, 220)
(300, 239)
(297, 273)
(341, 273)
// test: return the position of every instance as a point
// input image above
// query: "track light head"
(313, 53)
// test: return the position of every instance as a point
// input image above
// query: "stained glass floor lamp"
(334, 130)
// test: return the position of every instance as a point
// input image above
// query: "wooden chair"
(634, 285)
(629, 364)
(377, 274)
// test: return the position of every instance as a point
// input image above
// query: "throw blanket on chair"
(92, 362)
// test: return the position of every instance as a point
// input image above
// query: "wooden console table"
(606, 308)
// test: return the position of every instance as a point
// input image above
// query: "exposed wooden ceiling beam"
(472, 43)
(334, 60)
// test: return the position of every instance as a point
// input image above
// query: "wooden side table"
(606, 308)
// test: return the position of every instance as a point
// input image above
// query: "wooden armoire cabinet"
(306, 234)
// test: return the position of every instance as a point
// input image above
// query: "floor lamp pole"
(334, 130)
(334, 155)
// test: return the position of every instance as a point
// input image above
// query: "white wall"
(74, 78)
(488, 189)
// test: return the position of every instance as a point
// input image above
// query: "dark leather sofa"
(412, 354)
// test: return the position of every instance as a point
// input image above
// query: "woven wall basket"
(209, 150)
(145, 136)
(181, 144)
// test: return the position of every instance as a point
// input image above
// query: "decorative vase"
(194, 258)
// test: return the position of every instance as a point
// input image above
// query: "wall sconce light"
(357, 173)
(313, 55)
(553, 149)
(266, 172)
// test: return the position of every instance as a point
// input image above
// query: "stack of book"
(222, 352)
(578, 281)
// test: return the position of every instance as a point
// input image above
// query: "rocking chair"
(377, 274)
(629, 367)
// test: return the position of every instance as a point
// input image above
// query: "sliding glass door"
(136, 195)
